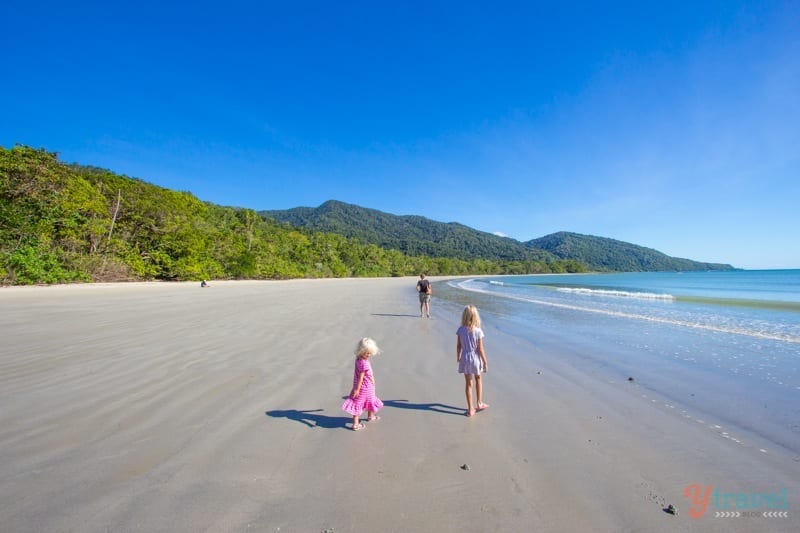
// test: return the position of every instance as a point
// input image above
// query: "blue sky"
(673, 125)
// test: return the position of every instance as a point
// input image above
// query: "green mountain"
(64, 223)
(415, 235)
(601, 253)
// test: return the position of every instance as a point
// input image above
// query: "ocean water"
(718, 347)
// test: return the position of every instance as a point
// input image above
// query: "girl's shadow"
(311, 418)
(435, 407)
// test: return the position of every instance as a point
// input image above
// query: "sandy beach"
(167, 407)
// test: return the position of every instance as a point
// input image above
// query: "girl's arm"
(371, 374)
(357, 388)
(483, 355)
(458, 349)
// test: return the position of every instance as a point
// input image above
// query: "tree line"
(62, 223)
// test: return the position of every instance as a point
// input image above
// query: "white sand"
(167, 407)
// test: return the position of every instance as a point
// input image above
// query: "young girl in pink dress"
(362, 396)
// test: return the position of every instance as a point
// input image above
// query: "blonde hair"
(367, 345)
(470, 317)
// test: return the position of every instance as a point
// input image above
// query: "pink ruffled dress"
(366, 399)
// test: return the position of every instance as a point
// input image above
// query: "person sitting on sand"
(203, 284)
(471, 357)
(425, 290)
(362, 396)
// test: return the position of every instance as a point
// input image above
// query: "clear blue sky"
(673, 125)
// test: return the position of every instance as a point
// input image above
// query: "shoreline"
(219, 409)
(675, 363)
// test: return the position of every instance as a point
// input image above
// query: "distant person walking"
(470, 356)
(425, 290)
(362, 395)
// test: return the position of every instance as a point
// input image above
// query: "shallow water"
(721, 348)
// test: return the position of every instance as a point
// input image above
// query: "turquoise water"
(763, 304)
(721, 345)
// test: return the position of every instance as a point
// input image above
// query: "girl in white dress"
(471, 357)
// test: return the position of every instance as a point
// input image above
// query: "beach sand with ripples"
(167, 407)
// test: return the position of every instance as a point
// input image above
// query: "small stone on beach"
(465, 466)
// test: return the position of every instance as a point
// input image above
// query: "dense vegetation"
(604, 254)
(417, 235)
(413, 235)
(66, 223)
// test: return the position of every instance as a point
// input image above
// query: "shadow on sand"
(435, 407)
(311, 418)
(314, 419)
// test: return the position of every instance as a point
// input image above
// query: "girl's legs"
(468, 391)
(356, 424)
(479, 390)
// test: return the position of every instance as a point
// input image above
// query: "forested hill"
(601, 253)
(413, 235)
(71, 223)
(416, 234)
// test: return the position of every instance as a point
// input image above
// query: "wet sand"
(167, 407)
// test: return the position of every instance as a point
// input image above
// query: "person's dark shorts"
(424, 297)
